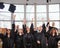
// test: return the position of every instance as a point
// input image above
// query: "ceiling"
(29, 2)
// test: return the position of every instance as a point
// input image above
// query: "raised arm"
(13, 22)
(24, 26)
(32, 27)
(43, 25)
(12, 34)
(48, 23)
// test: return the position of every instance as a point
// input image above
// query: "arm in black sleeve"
(24, 28)
(44, 28)
(12, 34)
(13, 25)
(32, 28)
(47, 24)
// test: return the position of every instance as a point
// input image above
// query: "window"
(20, 24)
(41, 12)
(5, 17)
(41, 15)
(29, 16)
(19, 8)
(29, 24)
(30, 8)
(5, 24)
(54, 14)
(41, 8)
(19, 16)
(54, 8)
(40, 23)
(19, 12)
(56, 24)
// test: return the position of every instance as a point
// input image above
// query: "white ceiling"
(29, 2)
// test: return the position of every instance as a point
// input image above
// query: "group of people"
(39, 37)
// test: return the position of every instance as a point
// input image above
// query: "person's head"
(40, 28)
(28, 29)
(35, 29)
(17, 26)
(20, 31)
(53, 24)
(53, 32)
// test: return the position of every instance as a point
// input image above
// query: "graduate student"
(40, 38)
(8, 37)
(19, 38)
(53, 39)
(28, 39)
(33, 31)
(7, 40)
(24, 26)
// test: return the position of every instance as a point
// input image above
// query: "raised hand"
(14, 17)
(24, 21)
(32, 20)
(38, 42)
(42, 19)
(48, 20)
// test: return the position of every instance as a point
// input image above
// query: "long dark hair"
(53, 30)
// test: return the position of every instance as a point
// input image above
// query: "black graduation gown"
(53, 41)
(34, 34)
(7, 42)
(19, 41)
(28, 40)
(42, 39)
(12, 33)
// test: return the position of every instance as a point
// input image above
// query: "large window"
(29, 14)
(41, 12)
(5, 17)
(29, 11)
(54, 14)
(19, 12)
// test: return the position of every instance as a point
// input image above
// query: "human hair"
(53, 31)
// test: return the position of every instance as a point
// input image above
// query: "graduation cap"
(12, 8)
(1, 5)
(47, 1)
